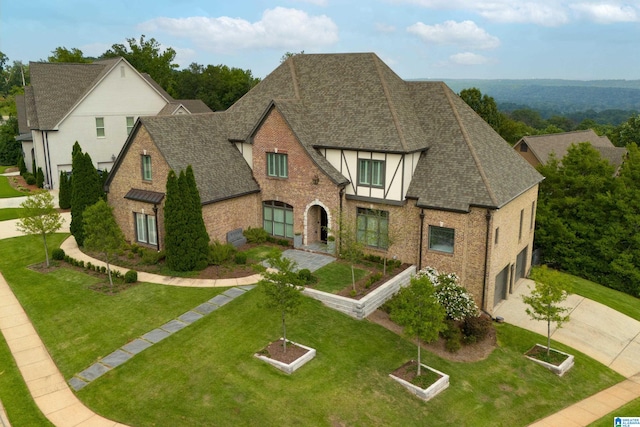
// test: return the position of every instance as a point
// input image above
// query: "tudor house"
(418, 174)
(95, 104)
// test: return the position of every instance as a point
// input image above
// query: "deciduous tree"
(39, 216)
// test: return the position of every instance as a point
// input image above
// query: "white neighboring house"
(95, 104)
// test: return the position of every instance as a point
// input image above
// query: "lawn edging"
(359, 309)
(559, 370)
(290, 368)
(429, 392)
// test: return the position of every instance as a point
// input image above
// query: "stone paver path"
(308, 260)
(127, 351)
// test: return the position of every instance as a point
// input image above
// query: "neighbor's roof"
(57, 87)
(200, 140)
(356, 102)
(558, 143)
(192, 106)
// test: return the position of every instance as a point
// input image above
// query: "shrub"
(219, 253)
(22, 166)
(241, 258)
(458, 303)
(131, 276)
(40, 178)
(103, 269)
(283, 242)
(81, 264)
(305, 275)
(373, 279)
(89, 266)
(476, 328)
(452, 336)
(255, 235)
(151, 257)
(58, 254)
(392, 264)
(135, 248)
(29, 178)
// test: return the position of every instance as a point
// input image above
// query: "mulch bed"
(540, 353)
(468, 353)
(18, 182)
(409, 372)
(276, 352)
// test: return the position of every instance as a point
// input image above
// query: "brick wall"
(306, 185)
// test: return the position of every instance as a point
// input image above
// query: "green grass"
(6, 190)
(4, 168)
(77, 324)
(619, 301)
(261, 252)
(336, 276)
(206, 374)
(10, 213)
(631, 409)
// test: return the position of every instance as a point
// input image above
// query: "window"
(441, 239)
(373, 227)
(278, 219)
(130, 122)
(523, 148)
(277, 165)
(100, 127)
(146, 229)
(371, 172)
(521, 221)
(533, 215)
(146, 168)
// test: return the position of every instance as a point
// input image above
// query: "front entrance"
(324, 224)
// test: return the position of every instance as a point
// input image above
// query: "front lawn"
(334, 277)
(206, 374)
(6, 190)
(10, 213)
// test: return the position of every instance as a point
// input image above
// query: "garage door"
(521, 264)
(502, 279)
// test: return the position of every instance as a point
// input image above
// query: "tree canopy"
(39, 216)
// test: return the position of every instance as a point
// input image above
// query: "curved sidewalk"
(46, 384)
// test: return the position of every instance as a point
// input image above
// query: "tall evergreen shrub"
(85, 190)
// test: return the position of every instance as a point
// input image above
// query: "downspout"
(341, 219)
(47, 158)
(421, 239)
(486, 261)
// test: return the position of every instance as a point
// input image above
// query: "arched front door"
(317, 221)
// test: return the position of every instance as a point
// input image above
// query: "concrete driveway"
(596, 330)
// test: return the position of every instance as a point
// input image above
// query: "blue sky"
(443, 39)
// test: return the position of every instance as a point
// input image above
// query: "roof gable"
(542, 146)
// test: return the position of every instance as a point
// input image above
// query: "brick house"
(418, 174)
(95, 104)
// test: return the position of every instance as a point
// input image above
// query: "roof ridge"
(467, 140)
(294, 78)
(387, 95)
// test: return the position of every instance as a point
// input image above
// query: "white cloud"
(316, 2)
(464, 34)
(468, 58)
(280, 28)
(543, 12)
(607, 13)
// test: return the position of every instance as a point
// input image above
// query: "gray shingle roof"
(543, 145)
(57, 87)
(200, 140)
(356, 102)
(193, 106)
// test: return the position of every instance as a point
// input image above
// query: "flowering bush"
(457, 302)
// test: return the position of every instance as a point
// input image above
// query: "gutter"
(488, 217)
(421, 239)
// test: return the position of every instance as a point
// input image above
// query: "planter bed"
(424, 393)
(558, 369)
(303, 354)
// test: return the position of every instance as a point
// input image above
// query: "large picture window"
(278, 219)
(441, 239)
(146, 229)
(373, 227)
(371, 172)
(277, 165)
(146, 168)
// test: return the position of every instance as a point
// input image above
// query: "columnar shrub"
(40, 178)
(64, 195)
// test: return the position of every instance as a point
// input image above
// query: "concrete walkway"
(598, 331)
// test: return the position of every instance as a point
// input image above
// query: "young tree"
(102, 233)
(548, 292)
(40, 217)
(282, 289)
(351, 248)
(416, 308)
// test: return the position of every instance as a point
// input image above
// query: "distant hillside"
(562, 96)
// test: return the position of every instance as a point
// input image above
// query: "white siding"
(247, 152)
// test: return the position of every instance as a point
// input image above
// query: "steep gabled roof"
(192, 106)
(356, 102)
(200, 140)
(543, 145)
(468, 163)
(56, 88)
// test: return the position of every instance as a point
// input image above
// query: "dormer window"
(371, 173)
